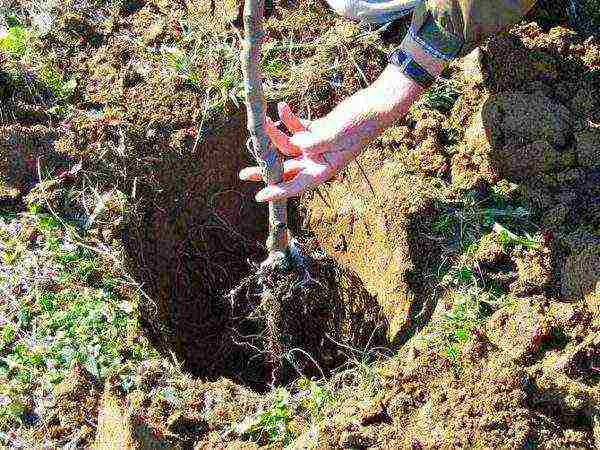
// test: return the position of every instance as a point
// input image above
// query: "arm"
(362, 117)
(441, 30)
(329, 144)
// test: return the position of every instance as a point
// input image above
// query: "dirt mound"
(514, 122)
(371, 225)
(485, 398)
(24, 150)
(521, 134)
(167, 410)
(537, 128)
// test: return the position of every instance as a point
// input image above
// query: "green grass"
(458, 323)
(306, 398)
(449, 333)
(183, 65)
(61, 88)
(16, 42)
(316, 398)
(460, 275)
(21, 44)
(64, 306)
(462, 224)
(272, 424)
(444, 224)
(222, 88)
(507, 239)
(441, 96)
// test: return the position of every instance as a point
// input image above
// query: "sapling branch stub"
(267, 156)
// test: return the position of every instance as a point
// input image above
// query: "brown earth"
(528, 115)
(191, 226)
(516, 128)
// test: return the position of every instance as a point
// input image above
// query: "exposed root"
(289, 309)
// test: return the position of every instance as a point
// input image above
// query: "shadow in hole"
(425, 255)
(129, 7)
(192, 245)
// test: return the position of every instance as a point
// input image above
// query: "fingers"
(251, 174)
(291, 121)
(288, 189)
(310, 143)
(291, 168)
(281, 141)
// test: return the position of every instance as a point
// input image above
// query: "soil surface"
(456, 299)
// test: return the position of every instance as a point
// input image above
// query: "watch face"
(585, 16)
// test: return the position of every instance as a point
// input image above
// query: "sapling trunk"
(264, 151)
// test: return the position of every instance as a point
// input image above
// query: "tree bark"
(264, 151)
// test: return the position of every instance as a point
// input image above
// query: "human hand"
(324, 147)
(317, 153)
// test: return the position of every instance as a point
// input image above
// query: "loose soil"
(394, 230)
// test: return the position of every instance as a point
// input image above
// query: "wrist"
(362, 117)
(378, 106)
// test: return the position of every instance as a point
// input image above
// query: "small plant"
(459, 276)
(275, 68)
(508, 239)
(441, 96)
(448, 335)
(16, 41)
(464, 317)
(490, 215)
(183, 66)
(11, 412)
(452, 354)
(316, 399)
(444, 224)
(67, 310)
(273, 424)
(61, 89)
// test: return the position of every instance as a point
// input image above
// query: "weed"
(227, 86)
(183, 65)
(508, 239)
(444, 224)
(11, 411)
(61, 89)
(459, 276)
(64, 312)
(275, 67)
(316, 399)
(16, 41)
(452, 354)
(441, 96)
(449, 333)
(273, 424)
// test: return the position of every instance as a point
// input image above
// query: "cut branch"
(266, 155)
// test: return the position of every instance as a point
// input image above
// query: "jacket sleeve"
(446, 29)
